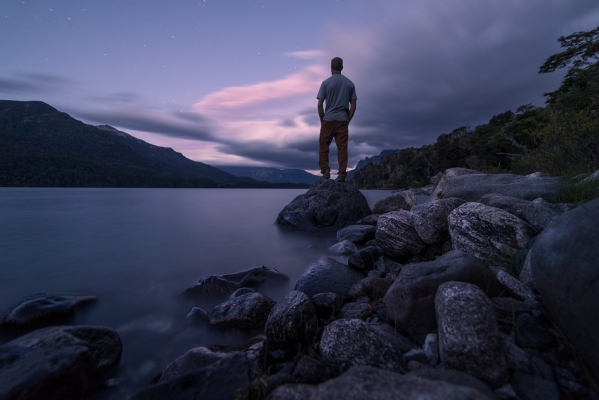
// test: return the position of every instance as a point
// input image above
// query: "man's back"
(337, 91)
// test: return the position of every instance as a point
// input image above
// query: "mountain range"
(272, 175)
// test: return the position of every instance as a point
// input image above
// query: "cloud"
(306, 54)
(32, 83)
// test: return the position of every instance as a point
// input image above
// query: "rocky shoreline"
(488, 291)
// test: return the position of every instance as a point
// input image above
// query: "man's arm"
(321, 109)
(352, 109)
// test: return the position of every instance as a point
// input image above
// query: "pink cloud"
(306, 54)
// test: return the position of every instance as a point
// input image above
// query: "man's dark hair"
(337, 64)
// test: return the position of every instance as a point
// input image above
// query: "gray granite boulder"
(327, 275)
(356, 233)
(430, 219)
(445, 177)
(396, 235)
(327, 204)
(244, 311)
(364, 382)
(42, 309)
(514, 287)
(349, 342)
(539, 213)
(218, 285)
(469, 338)
(344, 247)
(410, 301)
(365, 259)
(472, 187)
(201, 374)
(512, 205)
(564, 261)
(488, 233)
(404, 200)
(58, 362)
(292, 321)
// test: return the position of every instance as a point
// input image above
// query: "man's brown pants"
(328, 131)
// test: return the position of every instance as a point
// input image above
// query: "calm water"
(138, 249)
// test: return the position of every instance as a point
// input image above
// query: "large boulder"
(244, 311)
(327, 204)
(404, 200)
(410, 301)
(446, 176)
(349, 342)
(565, 265)
(327, 275)
(43, 309)
(469, 338)
(472, 187)
(293, 321)
(430, 219)
(202, 374)
(364, 382)
(488, 233)
(218, 285)
(539, 213)
(512, 205)
(396, 235)
(58, 362)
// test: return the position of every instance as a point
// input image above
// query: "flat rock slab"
(58, 362)
(469, 338)
(327, 204)
(564, 261)
(42, 308)
(488, 233)
(328, 275)
(244, 311)
(218, 285)
(410, 301)
(403, 200)
(363, 382)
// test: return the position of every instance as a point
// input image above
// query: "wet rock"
(218, 285)
(292, 321)
(58, 362)
(416, 355)
(410, 301)
(241, 292)
(431, 348)
(430, 219)
(365, 259)
(327, 204)
(539, 213)
(564, 264)
(197, 314)
(404, 200)
(445, 177)
(344, 247)
(472, 187)
(396, 235)
(530, 333)
(245, 311)
(372, 219)
(356, 311)
(363, 382)
(469, 338)
(42, 310)
(349, 342)
(311, 371)
(512, 205)
(373, 287)
(387, 265)
(514, 287)
(194, 376)
(328, 275)
(488, 233)
(327, 304)
(356, 233)
(533, 388)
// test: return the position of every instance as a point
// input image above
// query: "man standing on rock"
(339, 93)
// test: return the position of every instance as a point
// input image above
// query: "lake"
(138, 249)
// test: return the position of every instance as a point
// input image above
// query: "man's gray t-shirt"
(337, 91)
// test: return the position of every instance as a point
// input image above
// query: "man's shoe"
(326, 175)
(341, 179)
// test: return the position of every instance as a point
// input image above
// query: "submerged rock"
(244, 311)
(327, 204)
(217, 285)
(328, 275)
(42, 309)
(404, 200)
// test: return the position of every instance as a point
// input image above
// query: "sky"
(234, 82)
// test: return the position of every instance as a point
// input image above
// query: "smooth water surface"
(138, 249)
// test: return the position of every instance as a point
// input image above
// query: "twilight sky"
(234, 82)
